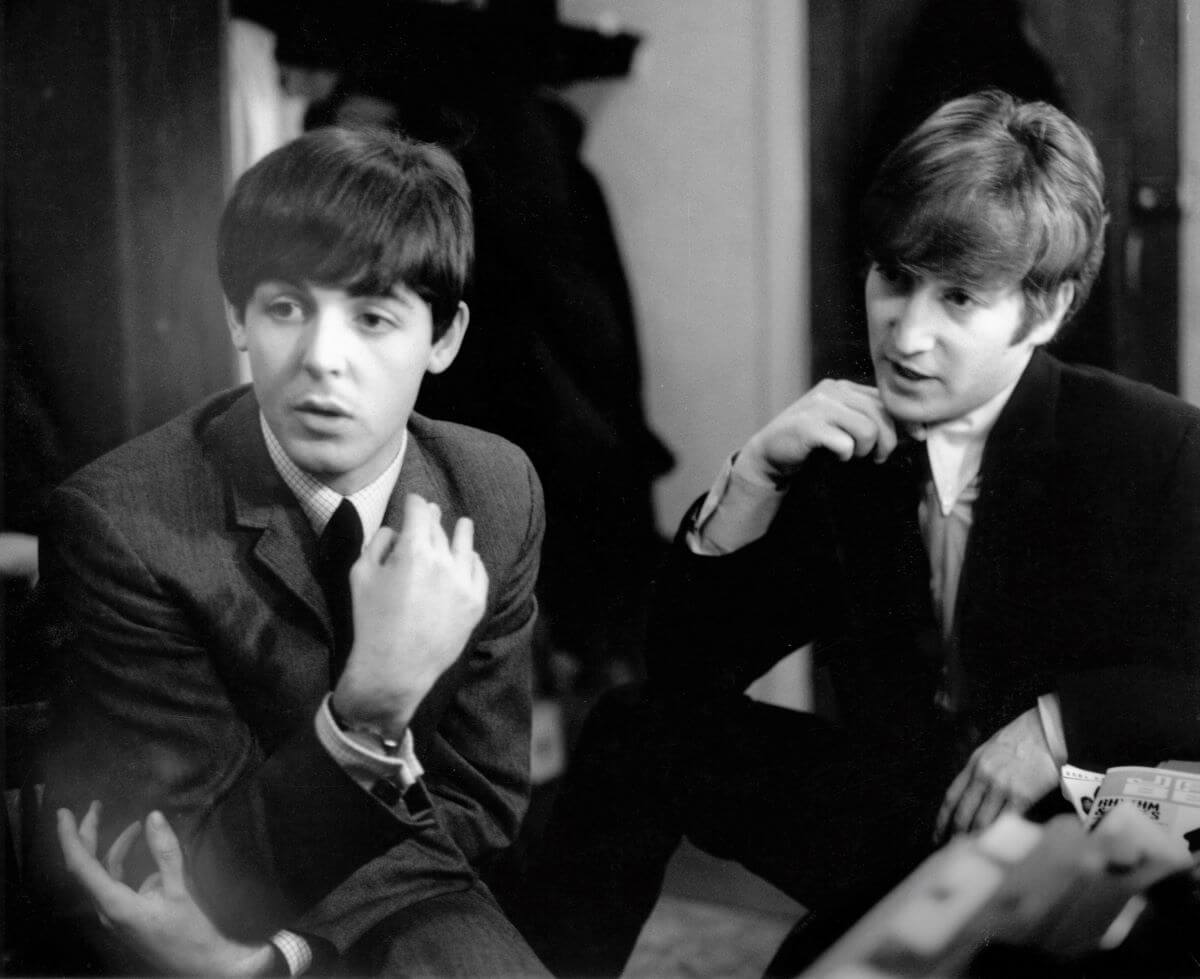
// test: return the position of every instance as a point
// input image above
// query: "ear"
(446, 348)
(237, 326)
(1045, 330)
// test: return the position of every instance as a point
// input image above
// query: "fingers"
(972, 803)
(850, 421)
(479, 575)
(423, 522)
(462, 546)
(990, 807)
(115, 860)
(878, 436)
(380, 546)
(417, 518)
(164, 847)
(110, 897)
(437, 533)
(950, 803)
(89, 826)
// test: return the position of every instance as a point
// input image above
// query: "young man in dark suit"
(996, 557)
(295, 622)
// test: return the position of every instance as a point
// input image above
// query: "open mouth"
(907, 374)
(322, 409)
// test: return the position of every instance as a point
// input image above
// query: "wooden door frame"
(1189, 200)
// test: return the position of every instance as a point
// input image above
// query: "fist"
(416, 596)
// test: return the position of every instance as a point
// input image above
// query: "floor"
(714, 920)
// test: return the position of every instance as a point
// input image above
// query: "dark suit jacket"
(1082, 576)
(195, 642)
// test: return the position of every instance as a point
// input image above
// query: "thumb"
(164, 846)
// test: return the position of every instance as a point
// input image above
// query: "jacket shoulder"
(488, 473)
(1121, 395)
(1105, 395)
(169, 463)
(1117, 419)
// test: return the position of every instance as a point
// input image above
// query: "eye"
(285, 309)
(374, 321)
(960, 298)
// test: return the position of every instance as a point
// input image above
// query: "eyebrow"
(405, 298)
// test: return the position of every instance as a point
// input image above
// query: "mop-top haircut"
(988, 191)
(360, 210)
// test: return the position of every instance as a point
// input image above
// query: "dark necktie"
(337, 550)
(910, 459)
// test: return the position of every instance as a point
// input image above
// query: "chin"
(908, 410)
(317, 461)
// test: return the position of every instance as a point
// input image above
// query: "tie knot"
(342, 538)
(910, 455)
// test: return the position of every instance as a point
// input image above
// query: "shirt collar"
(956, 447)
(319, 501)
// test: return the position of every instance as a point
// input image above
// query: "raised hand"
(416, 597)
(160, 921)
(846, 418)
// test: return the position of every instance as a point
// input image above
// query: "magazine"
(1169, 798)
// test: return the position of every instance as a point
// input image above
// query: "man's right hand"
(160, 921)
(846, 418)
(416, 597)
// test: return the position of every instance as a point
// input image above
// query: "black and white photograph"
(600, 489)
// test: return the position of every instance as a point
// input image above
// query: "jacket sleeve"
(274, 835)
(477, 756)
(718, 623)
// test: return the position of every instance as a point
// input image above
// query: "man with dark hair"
(995, 556)
(296, 620)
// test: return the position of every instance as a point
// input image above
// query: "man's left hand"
(1012, 770)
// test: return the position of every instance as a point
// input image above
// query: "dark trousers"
(463, 933)
(786, 794)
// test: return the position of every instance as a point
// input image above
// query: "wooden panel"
(168, 57)
(834, 125)
(114, 182)
(1078, 49)
(1150, 348)
(62, 311)
(1116, 65)
(852, 53)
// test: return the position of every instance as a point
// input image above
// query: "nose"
(325, 344)
(912, 321)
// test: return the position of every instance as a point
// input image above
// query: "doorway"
(1112, 65)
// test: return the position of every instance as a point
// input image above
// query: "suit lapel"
(416, 476)
(260, 501)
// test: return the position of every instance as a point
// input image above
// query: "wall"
(113, 183)
(1189, 199)
(702, 154)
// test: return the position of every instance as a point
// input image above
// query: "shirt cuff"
(296, 952)
(356, 754)
(737, 511)
(1052, 727)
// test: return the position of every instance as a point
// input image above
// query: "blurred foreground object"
(1054, 892)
